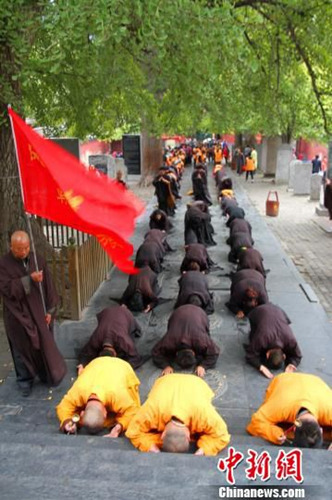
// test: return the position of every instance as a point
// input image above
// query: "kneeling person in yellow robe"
(300, 399)
(106, 386)
(179, 408)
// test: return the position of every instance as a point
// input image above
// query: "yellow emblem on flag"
(35, 156)
(67, 197)
(106, 240)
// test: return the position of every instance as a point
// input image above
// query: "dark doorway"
(132, 153)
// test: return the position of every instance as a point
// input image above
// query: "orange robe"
(115, 384)
(286, 394)
(188, 398)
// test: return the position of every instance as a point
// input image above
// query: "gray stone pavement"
(305, 237)
(64, 463)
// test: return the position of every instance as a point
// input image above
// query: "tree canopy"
(94, 68)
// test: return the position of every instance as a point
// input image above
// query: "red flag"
(55, 185)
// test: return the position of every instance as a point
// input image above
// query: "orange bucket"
(272, 206)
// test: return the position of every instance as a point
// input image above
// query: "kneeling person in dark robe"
(142, 291)
(187, 342)
(150, 254)
(194, 290)
(113, 337)
(239, 242)
(247, 294)
(156, 236)
(197, 225)
(196, 252)
(159, 220)
(250, 258)
(272, 343)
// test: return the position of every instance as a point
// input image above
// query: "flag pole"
(27, 215)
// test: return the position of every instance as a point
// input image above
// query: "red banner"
(55, 185)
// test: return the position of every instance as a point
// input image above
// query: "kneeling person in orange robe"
(105, 386)
(297, 398)
(179, 408)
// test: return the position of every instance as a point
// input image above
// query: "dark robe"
(226, 203)
(234, 212)
(116, 327)
(200, 187)
(188, 327)
(219, 176)
(197, 226)
(328, 199)
(269, 328)
(239, 226)
(247, 274)
(150, 254)
(238, 298)
(196, 252)
(159, 220)
(237, 242)
(165, 196)
(24, 318)
(251, 259)
(146, 283)
(195, 283)
(159, 237)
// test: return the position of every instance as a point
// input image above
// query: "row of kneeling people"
(271, 341)
(178, 415)
(179, 406)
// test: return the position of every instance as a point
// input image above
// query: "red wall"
(93, 148)
(309, 150)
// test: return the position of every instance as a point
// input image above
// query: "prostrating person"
(178, 410)
(301, 400)
(114, 336)
(197, 225)
(272, 343)
(186, 343)
(142, 291)
(196, 252)
(194, 290)
(105, 395)
(247, 293)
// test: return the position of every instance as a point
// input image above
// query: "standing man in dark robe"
(196, 252)
(113, 337)
(187, 342)
(28, 326)
(165, 196)
(271, 341)
(142, 291)
(247, 293)
(194, 290)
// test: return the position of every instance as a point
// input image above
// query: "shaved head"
(20, 236)
(20, 244)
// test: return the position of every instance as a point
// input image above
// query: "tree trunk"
(11, 207)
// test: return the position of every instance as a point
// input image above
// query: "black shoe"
(25, 391)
